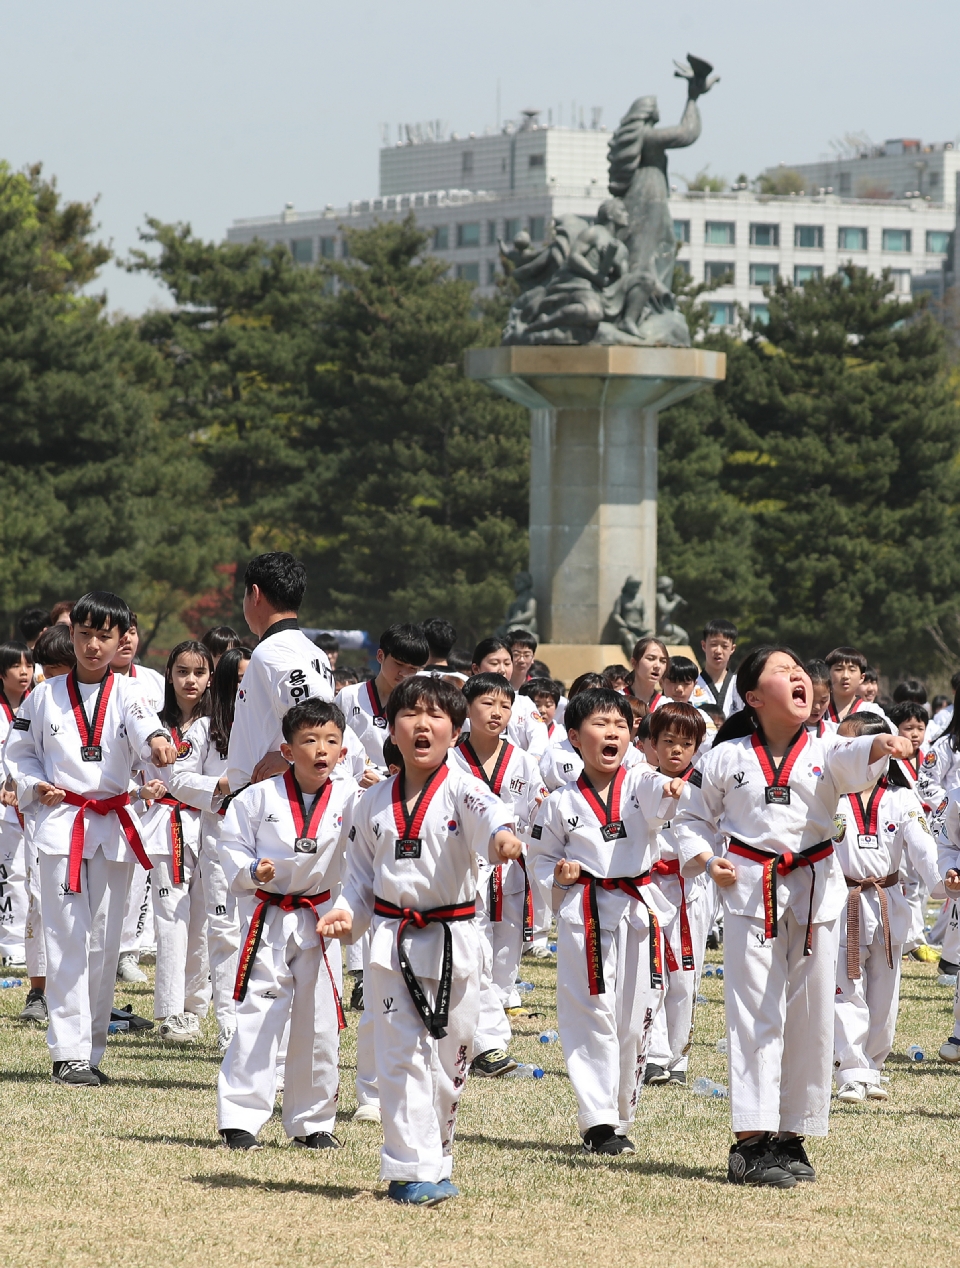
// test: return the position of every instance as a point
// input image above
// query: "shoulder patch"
(21, 724)
(696, 778)
(930, 759)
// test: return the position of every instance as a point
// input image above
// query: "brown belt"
(856, 888)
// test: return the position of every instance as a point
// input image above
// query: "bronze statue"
(628, 619)
(667, 604)
(522, 612)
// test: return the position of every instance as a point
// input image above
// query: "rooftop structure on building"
(901, 168)
(470, 192)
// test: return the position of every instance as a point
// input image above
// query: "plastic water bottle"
(719, 970)
(915, 1052)
(10, 981)
(525, 988)
(548, 1036)
(117, 1027)
(708, 971)
(701, 999)
(706, 1087)
(722, 1046)
(947, 979)
(552, 946)
(525, 1071)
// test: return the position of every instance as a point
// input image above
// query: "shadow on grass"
(190, 1142)
(572, 1155)
(24, 1076)
(229, 1180)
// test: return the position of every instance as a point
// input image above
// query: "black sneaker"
(948, 968)
(35, 1007)
(655, 1074)
(237, 1138)
(603, 1139)
(492, 1064)
(104, 1079)
(317, 1140)
(753, 1161)
(74, 1074)
(679, 1076)
(356, 995)
(792, 1156)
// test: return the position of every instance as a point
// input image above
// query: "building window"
(466, 163)
(852, 239)
(537, 225)
(328, 248)
(897, 240)
(901, 281)
(719, 272)
(845, 183)
(491, 273)
(933, 180)
(537, 160)
(468, 235)
(764, 274)
(938, 241)
(765, 235)
(441, 238)
(681, 230)
(491, 233)
(760, 313)
(469, 273)
(808, 235)
(806, 273)
(721, 314)
(302, 250)
(511, 228)
(720, 233)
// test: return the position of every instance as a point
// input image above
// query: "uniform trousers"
(505, 940)
(865, 1015)
(366, 1081)
(605, 1037)
(82, 936)
(289, 983)
(223, 934)
(34, 945)
(13, 891)
(420, 1079)
(182, 983)
(493, 1028)
(780, 1020)
(138, 914)
(673, 1027)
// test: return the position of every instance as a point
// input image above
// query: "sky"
(204, 111)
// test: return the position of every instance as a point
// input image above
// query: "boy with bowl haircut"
(593, 851)
(412, 870)
(282, 847)
(847, 667)
(70, 752)
(403, 651)
(717, 681)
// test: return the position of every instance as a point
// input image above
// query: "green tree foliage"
(784, 180)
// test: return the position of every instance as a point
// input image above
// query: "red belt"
(591, 927)
(102, 806)
(495, 902)
(176, 835)
(434, 1019)
(671, 867)
(286, 902)
(783, 865)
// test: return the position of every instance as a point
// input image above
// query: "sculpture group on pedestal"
(626, 624)
(522, 612)
(612, 282)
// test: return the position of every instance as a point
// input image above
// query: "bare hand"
(952, 881)
(265, 870)
(890, 746)
(673, 788)
(335, 924)
(50, 794)
(269, 765)
(369, 778)
(8, 798)
(506, 846)
(162, 752)
(153, 790)
(566, 873)
(223, 787)
(723, 873)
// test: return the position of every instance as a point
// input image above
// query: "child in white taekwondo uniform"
(772, 787)
(505, 898)
(282, 845)
(526, 729)
(946, 830)
(716, 684)
(876, 829)
(412, 868)
(199, 779)
(594, 845)
(71, 752)
(285, 668)
(16, 673)
(676, 734)
(171, 832)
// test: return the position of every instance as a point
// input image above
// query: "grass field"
(132, 1174)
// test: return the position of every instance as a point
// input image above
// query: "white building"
(469, 192)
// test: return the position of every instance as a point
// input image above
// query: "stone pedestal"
(593, 468)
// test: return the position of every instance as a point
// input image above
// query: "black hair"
(910, 689)
(643, 728)
(223, 696)
(326, 642)
(540, 669)
(952, 730)
(54, 647)
(345, 676)
(391, 754)
(681, 717)
(744, 721)
(846, 656)
(220, 639)
(596, 700)
(459, 660)
(719, 628)
(818, 671)
(641, 645)
(481, 684)
(101, 610)
(431, 690)
(938, 703)
(521, 638)
(870, 674)
(32, 623)
(406, 643)
(12, 654)
(715, 712)
(612, 672)
(170, 713)
(440, 636)
(681, 669)
(280, 578)
(955, 681)
(588, 682)
(865, 723)
(311, 712)
(907, 711)
(534, 687)
(486, 646)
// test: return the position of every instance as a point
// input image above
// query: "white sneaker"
(367, 1114)
(177, 1029)
(193, 1021)
(539, 952)
(128, 970)
(224, 1037)
(876, 1092)
(950, 1051)
(852, 1093)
